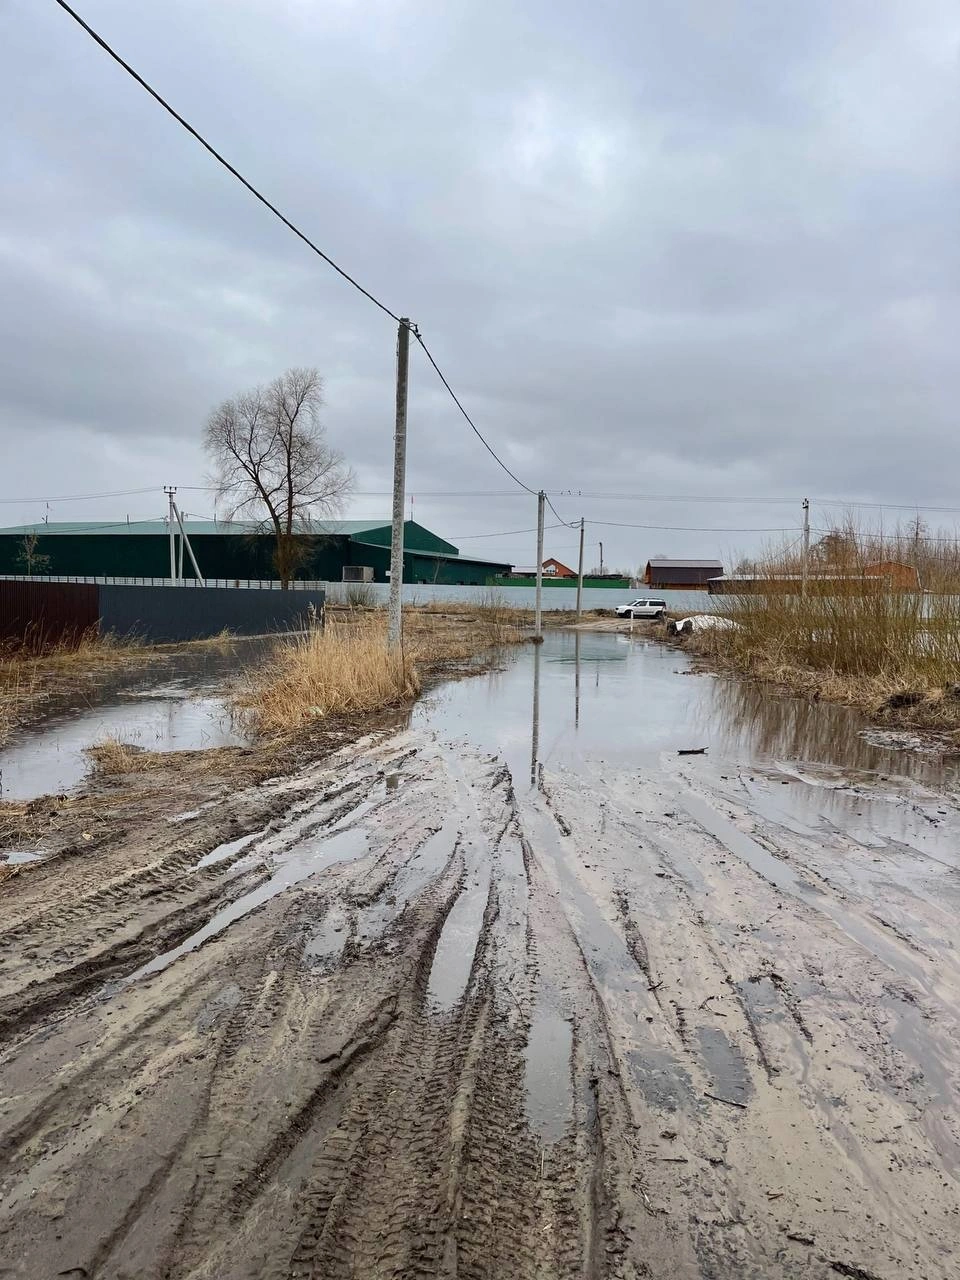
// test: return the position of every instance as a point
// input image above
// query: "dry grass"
(111, 758)
(349, 667)
(893, 653)
(346, 668)
(438, 632)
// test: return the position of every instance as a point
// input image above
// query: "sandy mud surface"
(512, 989)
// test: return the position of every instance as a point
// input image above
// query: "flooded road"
(166, 702)
(513, 989)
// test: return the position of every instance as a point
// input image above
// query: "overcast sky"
(659, 249)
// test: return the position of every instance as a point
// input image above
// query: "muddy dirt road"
(514, 990)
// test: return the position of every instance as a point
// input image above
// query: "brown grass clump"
(350, 668)
(346, 668)
(111, 757)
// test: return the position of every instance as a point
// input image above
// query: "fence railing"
(258, 584)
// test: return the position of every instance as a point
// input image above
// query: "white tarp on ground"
(704, 622)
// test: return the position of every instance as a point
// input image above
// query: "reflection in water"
(51, 758)
(787, 728)
(576, 682)
(643, 702)
(535, 728)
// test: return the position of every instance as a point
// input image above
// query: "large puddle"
(172, 702)
(589, 709)
(597, 699)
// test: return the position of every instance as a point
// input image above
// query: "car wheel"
(659, 615)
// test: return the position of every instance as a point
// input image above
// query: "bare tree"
(32, 559)
(836, 548)
(274, 464)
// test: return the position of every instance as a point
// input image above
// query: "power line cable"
(82, 497)
(383, 493)
(291, 226)
(904, 539)
(301, 235)
(893, 506)
(473, 426)
(220, 159)
(82, 526)
(650, 496)
(673, 528)
(570, 524)
(504, 533)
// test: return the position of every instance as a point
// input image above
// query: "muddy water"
(175, 704)
(585, 700)
(513, 989)
(51, 760)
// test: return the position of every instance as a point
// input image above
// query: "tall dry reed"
(348, 667)
(861, 634)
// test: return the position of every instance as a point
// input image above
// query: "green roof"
(450, 557)
(346, 528)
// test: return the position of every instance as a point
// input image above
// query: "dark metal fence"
(41, 613)
(195, 613)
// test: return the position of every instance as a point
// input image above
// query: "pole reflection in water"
(535, 732)
(576, 681)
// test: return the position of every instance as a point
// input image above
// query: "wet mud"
(512, 989)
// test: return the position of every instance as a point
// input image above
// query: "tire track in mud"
(406, 1052)
(477, 1048)
(138, 902)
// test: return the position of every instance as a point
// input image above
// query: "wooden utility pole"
(805, 562)
(395, 623)
(580, 576)
(541, 499)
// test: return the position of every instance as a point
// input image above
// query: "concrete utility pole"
(185, 541)
(171, 518)
(804, 564)
(541, 498)
(580, 578)
(395, 624)
(601, 559)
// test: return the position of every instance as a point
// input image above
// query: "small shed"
(680, 575)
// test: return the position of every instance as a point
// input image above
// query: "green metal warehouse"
(235, 550)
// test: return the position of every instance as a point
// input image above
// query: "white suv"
(642, 609)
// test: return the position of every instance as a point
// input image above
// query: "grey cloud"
(658, 249)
